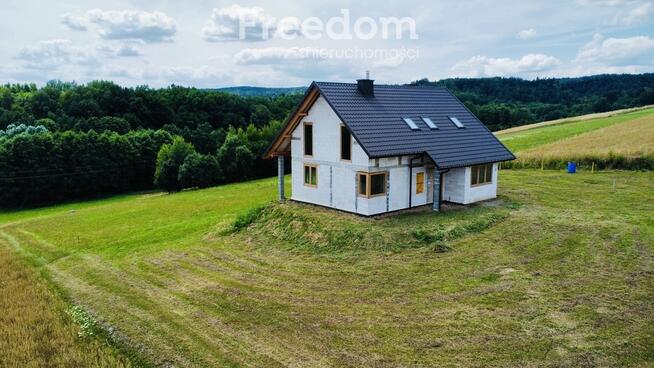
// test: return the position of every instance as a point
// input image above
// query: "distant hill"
(502, 103)
(249, 91)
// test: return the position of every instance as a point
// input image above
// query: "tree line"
(503, 103)
(38, 166)
(66, 141)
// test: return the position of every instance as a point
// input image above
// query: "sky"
(210, 44)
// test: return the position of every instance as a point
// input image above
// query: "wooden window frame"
(340, 138)
(369, 183)
(304, 139)
(485, 182)
(422, 187)
(310, 166)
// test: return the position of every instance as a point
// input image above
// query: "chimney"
(366, 86)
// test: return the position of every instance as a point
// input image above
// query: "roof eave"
(271, 151)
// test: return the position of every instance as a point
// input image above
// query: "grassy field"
(558, 272)
(519, 141)
(633, 138)
(37, 329)
(592, 116)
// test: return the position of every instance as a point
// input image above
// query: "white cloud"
(295, 63)
(288, 28)
(526, 34)
(636, 15)
(51, 54)
(203, 76)
(126, 50)
(484, 66)
(324, 62)
(617, 50)
(75, 23)
(601, 2)
(273, 55)
(389, 62)
(238, 23)
(133, 25)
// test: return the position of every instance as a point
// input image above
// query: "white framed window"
(481, 174)
(311, 175)
(372, 184)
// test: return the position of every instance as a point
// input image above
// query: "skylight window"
(429, 123)
(456, 122)
(410, 123)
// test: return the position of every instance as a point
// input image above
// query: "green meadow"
(556, 272)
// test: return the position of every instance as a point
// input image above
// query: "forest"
(502, 103)
(67, 141)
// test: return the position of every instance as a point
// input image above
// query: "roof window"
(429, 123)
(456, 122)
(410, 123)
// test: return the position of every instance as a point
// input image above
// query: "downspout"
(411, 180)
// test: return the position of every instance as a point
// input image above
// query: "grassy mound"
(315, 229)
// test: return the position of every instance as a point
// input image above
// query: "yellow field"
(36, 331)
(633, 138)
(573, 119)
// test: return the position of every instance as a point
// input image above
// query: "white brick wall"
(337, 179)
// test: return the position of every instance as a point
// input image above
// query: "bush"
(244, 220)
(169, 159)
(199, 171)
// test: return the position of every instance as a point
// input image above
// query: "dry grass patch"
(628, 145)
(632, 138)
(572, 119)
(522, 140)
(38, 330)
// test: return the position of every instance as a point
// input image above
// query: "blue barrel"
(572, 167)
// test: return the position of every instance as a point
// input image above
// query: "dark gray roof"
(376, 123)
